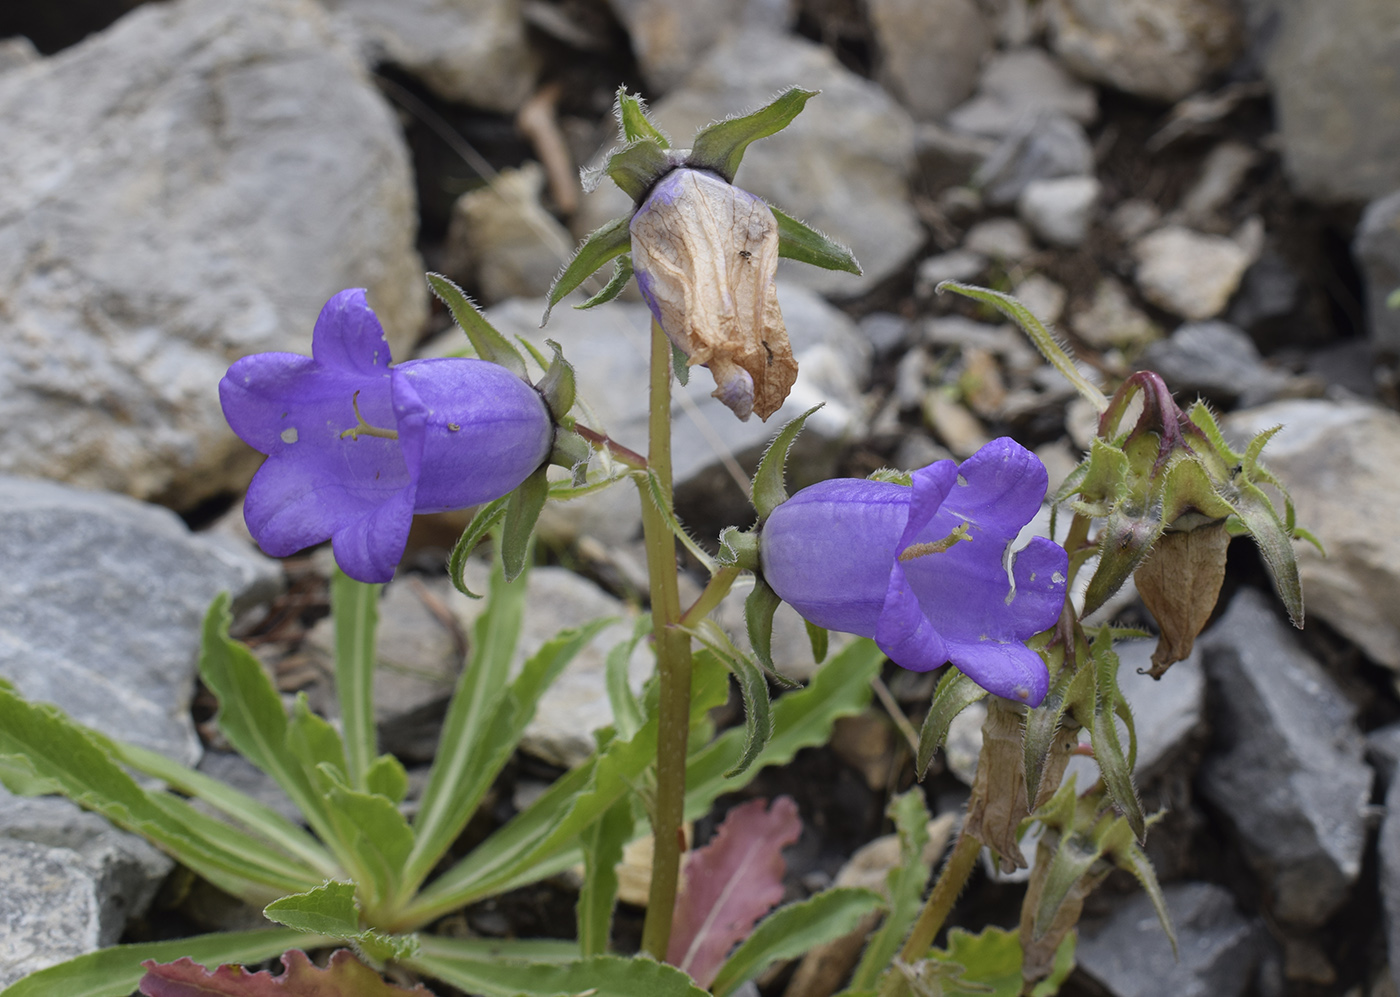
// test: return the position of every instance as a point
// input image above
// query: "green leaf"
(637, 165)
(1042, 723)
(720, 146)
(485, 520)
(1062, 967)
(488, 343)
(805, 244)
(759, 608)
(622, 273)
(793, 930)
(522, 512)
(1040, 336)
(343, 976)
(1275, 545)
(313, 741)
(600, 246)
(634, 121)
(906, 887)
(955, 693)
(602, 842)
(116, 971)
(377, 833)
(990, 959)
(753, 686)
(388, 778)
(355, 610)
(48, 750)
(626, 710)
(1114, 766)
(769, 488)
(599, 976)
(329, 909)
(801, 719)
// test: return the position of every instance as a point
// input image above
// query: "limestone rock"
(1216, 360)
(842, 166)
(1060, 210)
(1331, 71)
(470, 51)
(49, 909)
(1377, 249)
(1287, 769)
(1043, 147)
(101, 604)
(1188, 273)
(669, 37)
(1021, 84)
(186, 187)
(1339, 460)
(1112, 319)
(1158, 49)
(931, 51)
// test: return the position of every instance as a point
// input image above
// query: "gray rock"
(469, 51)
(608, 346)
(1287, 770)
(49, 909)
(1189, 273)
(1337, 108)
(1217, 360)
(17, 51)
(234, 770)
(1112, 319)
(957, 264)
(1383, 746)
(669, 37)
(184, 188)
(1019, 85)
(101, 604)
(947, 158)
(885, 331)
(1060, 210)
(1339, 461)
(1042, 147)
(1269, 293)
(1003, 239)
(930, 51)
(842, 166)
(1128, 952)
(576, 704)
(1221, 174)
(1377, 249)
(1159, 49)
(502, 241)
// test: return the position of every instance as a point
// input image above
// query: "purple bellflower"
(927, 571)
(355, 447)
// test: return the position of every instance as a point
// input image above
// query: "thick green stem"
(936, 909)
(672, 663)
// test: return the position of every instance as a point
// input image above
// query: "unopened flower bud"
(705, 253)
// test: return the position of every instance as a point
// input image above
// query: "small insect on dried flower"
(356, 447)
(705, 253)
(927, 571)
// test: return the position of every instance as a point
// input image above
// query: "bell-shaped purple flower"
(355, 447)
(927, 571)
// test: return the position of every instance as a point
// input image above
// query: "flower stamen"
(363, 428)
(936, 546)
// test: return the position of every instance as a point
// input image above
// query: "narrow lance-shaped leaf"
(759, 608)
(343, 976)
(800, 242)
(769, 487)
(906, 887)
(485, 520)
(794, 930)
(600, 246)
(600, 976)
(730, 883)
(626, 710)
(355, 612)
(634, 122)
(1114, 765)
(518, 528)
(955, 693)
(488, 343)
(720, 146)
(602, 842)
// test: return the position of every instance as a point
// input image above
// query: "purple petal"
(931, 487)
(1000, 488)
(904, 631)
(1008, 669)
(369, 548)
(348, 336)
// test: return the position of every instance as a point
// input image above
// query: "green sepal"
(680, 365)
(638, 165)
(1120, 846)
(485, 520)
(759, 608)
(800, 242)
(558, 386)
(820, 640)
(753, 686)
(955, 693)
(769, 489)
(634, 122)
(1124, 543)
(573, 452)
(1042, 724)
(891, 476)
(488, 343)
(522, 512)
(622, 273)
(1115, 766)
(601, 245)
(738, 549)
(720, 147)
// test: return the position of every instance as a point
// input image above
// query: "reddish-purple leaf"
(344, 976)
(730, 883)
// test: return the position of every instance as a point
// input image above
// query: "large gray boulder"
(930, 51)
(182, 189)
(1341, 463)
(1377, 249)
(1287, 768)
(1331, 68)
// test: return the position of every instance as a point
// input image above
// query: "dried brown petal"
(1180, 583)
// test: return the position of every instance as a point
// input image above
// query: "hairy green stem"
(672, 663)
(718, 587)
